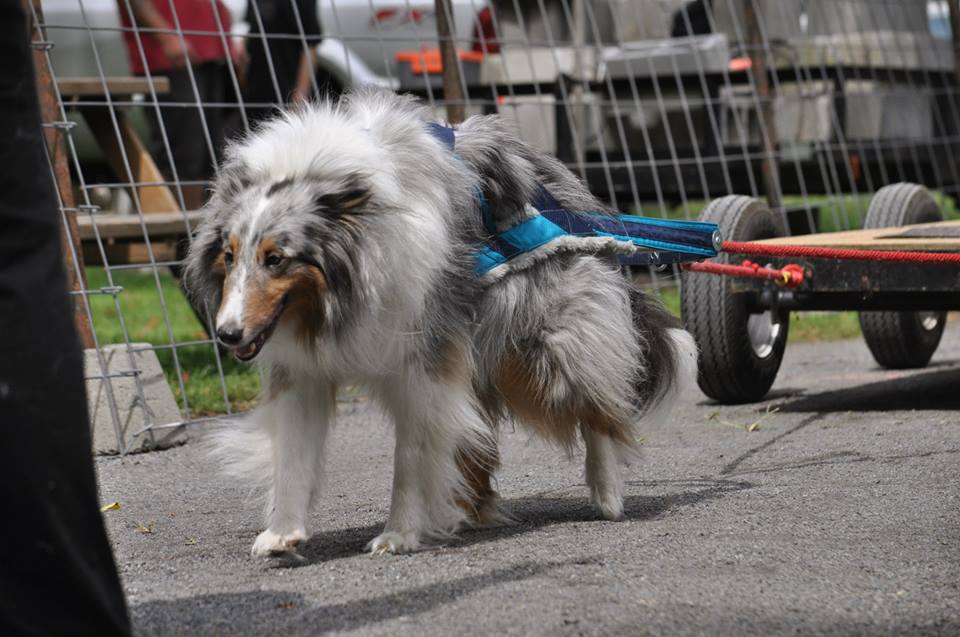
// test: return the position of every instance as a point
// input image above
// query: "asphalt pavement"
(831, 508)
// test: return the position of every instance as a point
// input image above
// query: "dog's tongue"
(249, 350)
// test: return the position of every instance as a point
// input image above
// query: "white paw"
(394, 542)
(609, 504)
(270, 543)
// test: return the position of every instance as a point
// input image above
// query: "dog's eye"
(273, 260)
(228, 257)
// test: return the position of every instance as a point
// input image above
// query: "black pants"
(185, 130)
(57, 575)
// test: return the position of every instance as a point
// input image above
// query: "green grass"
(806, 327)
(812, 327)
(145, 323)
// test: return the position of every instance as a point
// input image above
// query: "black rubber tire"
(731, 370)
(899, 340)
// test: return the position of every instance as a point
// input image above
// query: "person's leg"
(57, 575)
(167, 136)
(183, 133)
(215, 92)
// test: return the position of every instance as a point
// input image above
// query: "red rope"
(790, 276)
(759, 249)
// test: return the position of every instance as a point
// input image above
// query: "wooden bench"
(143, 169)
(122, 236)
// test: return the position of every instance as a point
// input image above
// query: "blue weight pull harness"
(634, 239)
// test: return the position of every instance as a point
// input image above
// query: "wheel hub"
(764, 331)
(929, 321)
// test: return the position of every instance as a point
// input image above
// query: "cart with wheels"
(741, 325)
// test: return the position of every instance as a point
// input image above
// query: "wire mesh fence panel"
(660, 105)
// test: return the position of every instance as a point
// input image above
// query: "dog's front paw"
(272, 544)
(609, 504)
(394, 542)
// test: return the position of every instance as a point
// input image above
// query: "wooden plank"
(70, 87)
(137, 252)
(159, 225)
(143, 169)
(876, 239)
(130, 253)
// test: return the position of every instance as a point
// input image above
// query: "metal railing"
(660, 105)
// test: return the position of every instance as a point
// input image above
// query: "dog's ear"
(349, 196)
(203, 270)
(232, 179)
(202, 279)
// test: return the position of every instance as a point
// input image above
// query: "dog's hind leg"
(603, 470)
(434, 419)
(297, 419)
(574, 365)
(480, 502)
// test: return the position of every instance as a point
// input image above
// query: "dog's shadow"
(531, 513)
(266, 612)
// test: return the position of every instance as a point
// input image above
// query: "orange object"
(855, 166)
(740, 64)
(429, 61)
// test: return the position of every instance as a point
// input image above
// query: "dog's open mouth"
(249, 351)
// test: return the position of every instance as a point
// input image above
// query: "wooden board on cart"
(942, 236)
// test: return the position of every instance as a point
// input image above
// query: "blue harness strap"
(444, 133)
(662, 241)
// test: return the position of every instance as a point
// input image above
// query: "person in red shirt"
(186, 41)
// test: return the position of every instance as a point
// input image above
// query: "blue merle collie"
(339, 247)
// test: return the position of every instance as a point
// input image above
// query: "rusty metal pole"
(57, 152)
(769, 166)
(452, 87)
(955, 33)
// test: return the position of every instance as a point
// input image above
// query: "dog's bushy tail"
(670, 355)
(242, 449)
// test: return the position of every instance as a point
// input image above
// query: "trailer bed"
(941, 236)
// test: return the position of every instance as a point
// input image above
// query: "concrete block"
(142, 397)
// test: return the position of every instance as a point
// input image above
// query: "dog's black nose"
(230, 335)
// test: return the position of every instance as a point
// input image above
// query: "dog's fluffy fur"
(338, 248)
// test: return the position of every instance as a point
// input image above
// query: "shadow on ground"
(292, 613)
(934, 390)
(531, 513)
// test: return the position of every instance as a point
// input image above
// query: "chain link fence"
(660, 105)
